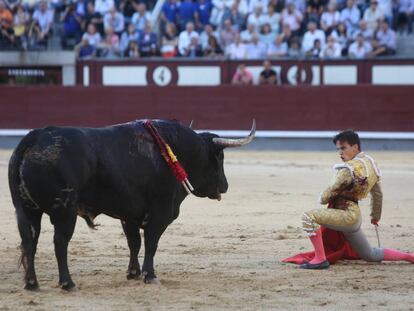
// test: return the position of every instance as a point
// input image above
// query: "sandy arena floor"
(226, 255)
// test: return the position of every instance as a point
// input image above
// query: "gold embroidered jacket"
(354, 180)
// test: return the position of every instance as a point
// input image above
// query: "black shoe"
(315, 266)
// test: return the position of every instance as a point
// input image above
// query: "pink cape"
(336, 248)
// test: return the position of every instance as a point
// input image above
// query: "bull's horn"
(228, 142)
(191, 124)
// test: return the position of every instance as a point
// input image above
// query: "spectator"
(109, 47)
(94, 17)
(294, 49)
(208, 31)
(286, 33)
(351, 17)
(256, 49)
(20, 21)
(186, 13)
(386, 42)
(127, 36)
(114, 20)
(273, 19)
(341, 36)
(316, 49)
(256, 18)
(405, 16)
(132, 50)
(141, 17)
(236, 50)
(12, 4)
(7, 38)
(94, 38)
(278, 48)
(71, 26)
(373, 15)
(310, 36)
(330, 19)
(193, 49)
(184, 39)
(80, 7)
(366, 32)
(41, 27)
(233, 14)
(386, 7)
(227, 34)
(213, 49)
(217, 13)
(360, 48)
(147, 42)
(169, 41)
(268, 75)
(314, 10)
(127, 8)
(253, 4)
(266, 36)
(6, 17)
(247, 34)
(169, 13)
(202, 13)
(84, 50)
(332, 49)
(103, 6)
(293, 18)
(242, 76)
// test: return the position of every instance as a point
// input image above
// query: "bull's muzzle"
(228, 142)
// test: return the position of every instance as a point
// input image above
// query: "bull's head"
(214, 181)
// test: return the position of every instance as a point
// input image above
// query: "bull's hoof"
(153, 281)
(31, 285)
(133, 276)
(67, 285)
(150, 278)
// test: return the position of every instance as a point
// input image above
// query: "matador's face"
(346, 151)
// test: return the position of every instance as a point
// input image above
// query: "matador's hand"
(374, 222)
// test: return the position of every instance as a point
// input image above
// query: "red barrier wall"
(366, 108)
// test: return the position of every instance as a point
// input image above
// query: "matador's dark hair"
(348, 136)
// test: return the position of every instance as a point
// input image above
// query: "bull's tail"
(25, 220)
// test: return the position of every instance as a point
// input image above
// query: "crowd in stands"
(233, 29)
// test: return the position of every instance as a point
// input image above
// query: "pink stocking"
(318, 246)
(394, 255)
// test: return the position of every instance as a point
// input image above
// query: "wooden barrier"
(364, 108)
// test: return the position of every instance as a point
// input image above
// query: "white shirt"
(234, 51)
(103, 6)
(273, 21)
(184, 40)
(331, 51)
(94, 39)
(292, 19)
(262, 3)
(256, 51)
(139, 21)
(372, 17)
(45, 19)
(357, 51)
(256, 20)
(328, 19)
(351, 18)
(117, 23)
(309, 38)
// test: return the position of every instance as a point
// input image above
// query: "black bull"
(116, 170)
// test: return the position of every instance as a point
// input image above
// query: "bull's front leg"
(152, 234)
(131, 230)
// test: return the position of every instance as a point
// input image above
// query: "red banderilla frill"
(166, 152)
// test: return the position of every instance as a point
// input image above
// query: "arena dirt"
(226, 255)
